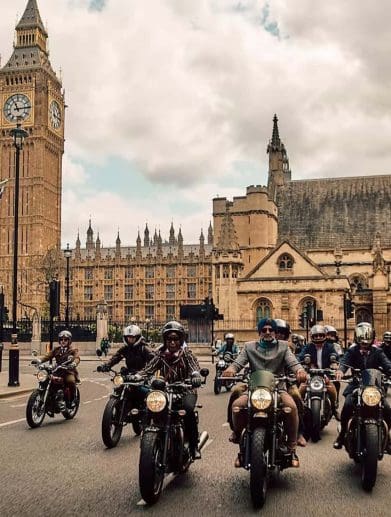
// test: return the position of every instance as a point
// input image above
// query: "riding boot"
(60, 402)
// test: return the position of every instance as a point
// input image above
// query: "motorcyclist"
(332, 337)
(361, 355)
(62, 354)
(177, 363)
(386, 344)
(275, 356)
(134, 350)
(321, 352)
(297, 343)
(229, 345)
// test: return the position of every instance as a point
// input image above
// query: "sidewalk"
(27, 382)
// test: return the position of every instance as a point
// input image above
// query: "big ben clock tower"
(30, 93)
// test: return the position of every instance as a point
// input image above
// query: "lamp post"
(18, 135)
(67, 254)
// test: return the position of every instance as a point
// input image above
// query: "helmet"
(131, 330)
(229, 335)
(266, 321)
(387, 336)
(283, 328)
(295, 338)
(329, 329)
(65, 334)
(174, 326)
(364, 334)
(318, 333)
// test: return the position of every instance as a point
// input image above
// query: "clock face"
(17, 107)
(55, 114)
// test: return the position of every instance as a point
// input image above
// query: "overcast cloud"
(183, 90)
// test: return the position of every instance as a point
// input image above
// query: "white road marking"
(13, 422)
(207, 443)
(87, 402)
(226, 424)
(166, 482)
(18, 405)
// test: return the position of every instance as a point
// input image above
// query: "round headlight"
(221, 363)
(261, 398)
(316, 384)
(156, 401)
(42, 375)
(118, 380)
(371, 396)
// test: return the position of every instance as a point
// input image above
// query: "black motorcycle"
(164, 443)
(52, 396)
(263, 444)
(125, 406)
(316, 399)
(367, 435)
(223, 362)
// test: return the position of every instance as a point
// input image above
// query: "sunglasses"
(176, 339)
(64, 339)
(319, 336)
(267, 329)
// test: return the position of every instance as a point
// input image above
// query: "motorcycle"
(125, 406)
(164, 446)
(316, 399)
(224, 361)
(49, 398)
(367, 435)
(263, 443)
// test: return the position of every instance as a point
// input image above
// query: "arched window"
(285, 262)
(264, 309)
(358, 283)
(364, 314)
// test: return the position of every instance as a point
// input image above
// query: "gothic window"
(108, 292)
(191, 271)
(285, 262)
(217, 270)
(170, 291)
(358, 283)
(235, 271)
(150, 311)
(88, 292)
(191, 291)
(364, 314)
(170, 312)
(129, 272)
(128, 312)
(225, 271)
(170, 271)
(108, 274)
(149, 272)
(128, 292)
(264, 309)
(149, 292)
(88, 274)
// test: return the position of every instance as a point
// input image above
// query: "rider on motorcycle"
(275, 356)
(61, 354)
(320, 350)
(297, 343)
(332, 337)
(134, 350)
(386, 344)
(361, 355)
(177, 363)
(229, 346)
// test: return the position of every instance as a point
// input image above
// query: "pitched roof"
(31, 17)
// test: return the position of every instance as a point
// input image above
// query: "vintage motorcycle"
(51, 394)
(367, 435)
(223, 362)
(316, 399)
(164, 443)
(263, 444)
(125, 406)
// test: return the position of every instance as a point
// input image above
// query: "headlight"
(261, 398)
(371, 396)
(221, 364)
(42, 375)
(156, 401)
(316, 384)
(118, 380)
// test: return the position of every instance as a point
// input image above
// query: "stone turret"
(279, 172)
(146, 236)
(172, 240)
(97, 248)
(118, 246)
(210, 234)
(90, 238)
(138, 246)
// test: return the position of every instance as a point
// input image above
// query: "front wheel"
(35, 409)
(369, 458)
(258, 471)
(111, 425)
(151, 472)
(316, 426)
(71, 411)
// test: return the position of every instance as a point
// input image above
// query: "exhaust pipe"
(203, 439)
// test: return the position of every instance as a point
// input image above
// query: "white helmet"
(131, 330)
(65, 334)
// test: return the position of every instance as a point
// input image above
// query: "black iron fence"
(82, 330)
(24, 331)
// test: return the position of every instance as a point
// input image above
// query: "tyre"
(151, 474)
(111, 425)
(369, 458)
(258, 471)
(35, 413)
(70, 413)
(316, 426)
(217, 386)
(136, 424)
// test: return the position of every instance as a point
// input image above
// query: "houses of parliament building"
(272, 251)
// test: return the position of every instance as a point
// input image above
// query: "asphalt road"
(63, 469)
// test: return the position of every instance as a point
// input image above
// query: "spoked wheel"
(111, 425)
(258, 471)
(151, 473)
(316, 420)
(369, 458)
(35, 409)
(71, 411)
(217, 386)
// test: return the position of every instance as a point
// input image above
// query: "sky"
(170, 102)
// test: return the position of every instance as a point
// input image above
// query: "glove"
(196, 380)
(72, 365)
(103, 368)
(301, 376)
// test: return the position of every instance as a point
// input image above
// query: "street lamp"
(67, 254)
(19, 136)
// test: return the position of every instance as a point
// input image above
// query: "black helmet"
(174, 326)
(283, 328)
